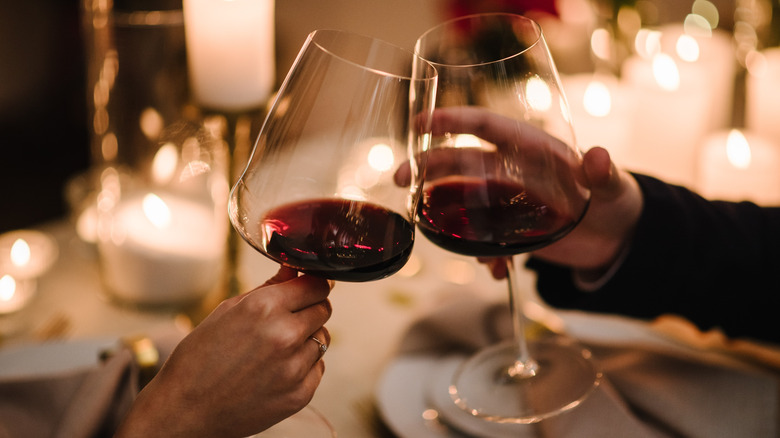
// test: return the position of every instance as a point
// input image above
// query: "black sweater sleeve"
(716, 263)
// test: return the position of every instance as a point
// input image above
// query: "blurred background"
(43, 111)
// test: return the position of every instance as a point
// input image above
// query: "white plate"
(414, 385)
(51, 358)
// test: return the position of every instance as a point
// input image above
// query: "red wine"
(479, 217)
(337, 239)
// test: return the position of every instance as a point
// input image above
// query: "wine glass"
(503, 178)
(318, 193)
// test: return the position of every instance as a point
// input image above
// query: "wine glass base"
(566, 376)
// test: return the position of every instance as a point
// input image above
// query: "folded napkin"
(648, 390)
(79, 403)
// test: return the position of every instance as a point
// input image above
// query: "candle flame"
(665, 72)
(7, 288)
(538, 94)
(687, 48)
(738, 150)
(597, 99)
(20, 253)
(157, 211)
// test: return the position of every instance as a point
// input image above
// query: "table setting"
(395, 173)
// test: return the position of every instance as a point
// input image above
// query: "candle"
(14, 294)
(739, 166)
(601, 114)
(763, 94)
(230, 51)
(161, 249)
(26, 254)
(707, 58)
(670, 118)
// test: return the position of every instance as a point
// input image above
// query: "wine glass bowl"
(318, 193)
(502, 178)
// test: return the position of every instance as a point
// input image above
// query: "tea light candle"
(160, 250)
(14, 294)
(230, 50)
(737, 166)
(763, 94)
(26, 254)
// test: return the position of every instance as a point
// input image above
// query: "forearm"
(708, 261)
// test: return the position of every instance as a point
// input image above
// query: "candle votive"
(15, 294)
(162, 230)
(27, 254)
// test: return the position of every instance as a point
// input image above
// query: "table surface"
(368, 321)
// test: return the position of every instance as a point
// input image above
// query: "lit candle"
(739, 166)
(671, 117)
(26, 254)
(762, 112)
(705, 57)
(160, 250)
(601, 114)
(14, 294)
(230, 50)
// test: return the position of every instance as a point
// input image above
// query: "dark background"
(43, 119)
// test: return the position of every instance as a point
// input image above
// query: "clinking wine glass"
(319, 192)
(503, 178)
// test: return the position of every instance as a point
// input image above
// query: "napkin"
(648, 390)
(79, 403)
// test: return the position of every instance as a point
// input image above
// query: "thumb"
(602, 174)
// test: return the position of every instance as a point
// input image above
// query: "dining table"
(369, 324)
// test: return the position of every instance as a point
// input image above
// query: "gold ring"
(323, 346)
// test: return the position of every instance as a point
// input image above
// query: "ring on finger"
(322, 346)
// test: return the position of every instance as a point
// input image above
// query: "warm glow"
(151, 123)
(597, 99)
(538, 94)
(647, 43)
(600, 43)
(708, 11)
(738, 150)
(697, 25)
(7, 288)
(687, 48)
(20, 253)
(381, 157)
(665, 72)
(164, 164)
(157, 211)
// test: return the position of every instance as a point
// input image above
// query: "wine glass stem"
(524, 366)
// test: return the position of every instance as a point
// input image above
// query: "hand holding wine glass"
(503, 177)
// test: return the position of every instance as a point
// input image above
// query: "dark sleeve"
(715, 263)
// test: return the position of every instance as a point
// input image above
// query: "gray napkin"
(80, 403)
(646, 392)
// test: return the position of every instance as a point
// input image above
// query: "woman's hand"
(248, 365)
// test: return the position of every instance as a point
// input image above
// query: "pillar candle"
(670, 119)
(230, 51)
(601, 114)
(762, 105)
(738, 166)
(160, 250)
